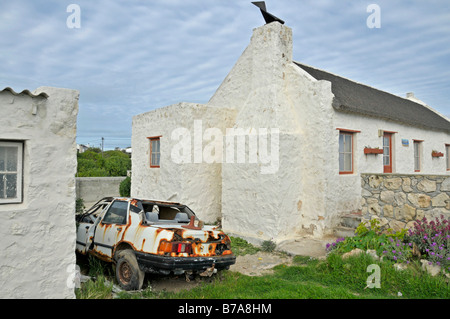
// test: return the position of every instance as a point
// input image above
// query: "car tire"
(128, 274)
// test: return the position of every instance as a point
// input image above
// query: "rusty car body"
(148, 236)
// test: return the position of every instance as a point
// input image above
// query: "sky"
(127, 57)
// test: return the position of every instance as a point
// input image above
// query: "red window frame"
(388, 168)
(349, 133)
(151, 139)
(447, 156)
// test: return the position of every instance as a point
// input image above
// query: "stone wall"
(399, 199)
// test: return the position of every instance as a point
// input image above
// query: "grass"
(332, 278)
(306, 278)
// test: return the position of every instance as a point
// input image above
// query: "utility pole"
(103, 139)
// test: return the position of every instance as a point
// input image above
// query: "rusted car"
(147, 236)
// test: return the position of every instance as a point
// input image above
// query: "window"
(155, 153)
(117, 213)
(11, 172)
(345, 152)
(447, 155)
(417, 155)
(387, 152)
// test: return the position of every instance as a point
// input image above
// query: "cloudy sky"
(132, 56)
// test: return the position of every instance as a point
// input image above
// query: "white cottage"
(278, 150)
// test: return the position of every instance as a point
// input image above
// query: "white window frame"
(18, 172)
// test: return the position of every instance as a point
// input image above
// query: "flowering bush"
(397, 250)
(367, 236)
(432, 239)
(331, 246)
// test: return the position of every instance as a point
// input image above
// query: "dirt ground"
(258, 264)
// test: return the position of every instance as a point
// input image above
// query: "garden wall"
(397, 200)
(92, 189)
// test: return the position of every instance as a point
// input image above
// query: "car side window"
(117, 213)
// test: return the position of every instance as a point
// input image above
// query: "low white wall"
(92, 189)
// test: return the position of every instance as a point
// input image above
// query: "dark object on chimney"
(267, 16)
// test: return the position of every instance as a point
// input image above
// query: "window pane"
(341, 143)
(2, 158)
(348, 143)
(11, 186)
(157, 145)
(385, 160)
(447, 149)
(348, 162)
(341, 162)
(117, 213)
(2, 186)
(11, 159)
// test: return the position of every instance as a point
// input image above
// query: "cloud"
(132, 56)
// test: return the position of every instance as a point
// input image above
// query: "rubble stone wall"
(397, 200)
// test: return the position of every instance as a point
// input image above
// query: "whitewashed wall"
(197, 185)
(348, 189)
(38, 235)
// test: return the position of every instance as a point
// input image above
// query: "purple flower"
(395, 258)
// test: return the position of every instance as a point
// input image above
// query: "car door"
(110, 229)
(87, 226)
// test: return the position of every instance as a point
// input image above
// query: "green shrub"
(241, 247)
(370, 236)
(125, 187)
(268, 246)
(79, 205)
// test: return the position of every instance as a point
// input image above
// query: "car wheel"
(128, 274)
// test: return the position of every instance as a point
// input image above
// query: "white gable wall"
(194, 183)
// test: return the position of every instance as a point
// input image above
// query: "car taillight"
(181, 248)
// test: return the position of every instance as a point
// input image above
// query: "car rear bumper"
(166, 264)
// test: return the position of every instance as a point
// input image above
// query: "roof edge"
(24, 92)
